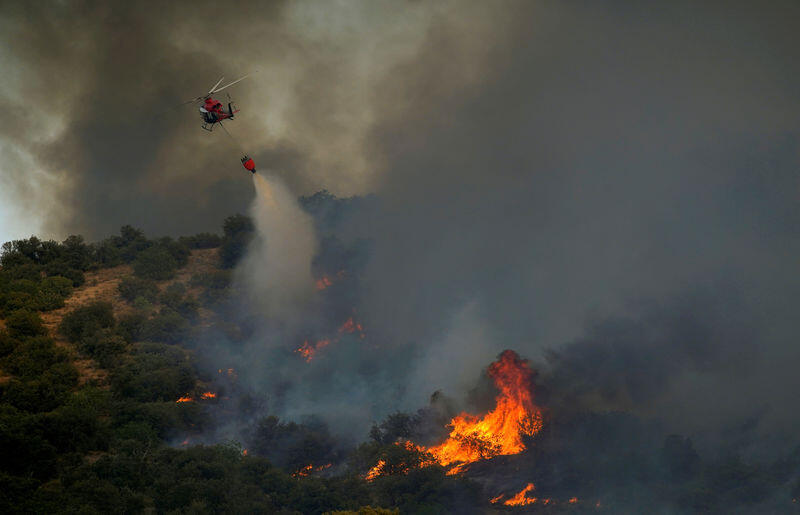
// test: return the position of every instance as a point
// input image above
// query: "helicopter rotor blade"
(215, 85)
(217, 90)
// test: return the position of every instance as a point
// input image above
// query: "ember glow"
(351, 326)
(323, 283)
(185, 399)
(326, 281)
(208, 395)
(500, 431)
(307, 350)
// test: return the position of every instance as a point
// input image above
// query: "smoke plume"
(276, 272)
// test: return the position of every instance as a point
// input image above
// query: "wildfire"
(185, 399)
(323, 283)
(499, 431)
(307, 350)
(351, 326)
(375, 471)
(522, 499)
(326, 281)
(308, 469)
(208, 395)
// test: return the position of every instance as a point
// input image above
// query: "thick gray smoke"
(536, 165)
(91, 139)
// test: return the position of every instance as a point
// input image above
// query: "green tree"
(132, 287)
(155, 263)
(238, 231)
(23, 323)
(86, 320)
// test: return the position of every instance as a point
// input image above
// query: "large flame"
(497, 433)
(500, 431)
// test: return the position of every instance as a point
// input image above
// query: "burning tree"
(499, 432)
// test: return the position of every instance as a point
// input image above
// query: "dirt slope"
(101, 285)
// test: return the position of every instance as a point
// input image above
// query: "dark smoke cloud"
(534, 164)
(619, 151)
(93, 85)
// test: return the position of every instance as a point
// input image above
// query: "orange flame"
(208, 395)
(308, 469)
(521, 499)
(499, 431)
(573, 500)
(375, 471)
(185, 399)
(244, 452)
(307, 350)
(496, 500)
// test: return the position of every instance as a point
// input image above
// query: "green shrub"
(7, 343)
(58, 284)
(154, 372)
(155, 263)
(130, 243)
(175, 298)
(86, 320)
(107, 254)
(62, 268)
(33, 356)
(216, 286)
(238, 231)
(130, 326)
(23, 323)
(27, 272)
(132, 287)
(77, 426)
(45, 393)
(203, 240)
(76, 253)
(167, 326)
(104, 346)
(216, 280)
(179, 251)
(32, 250)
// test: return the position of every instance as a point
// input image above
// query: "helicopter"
(212, 111)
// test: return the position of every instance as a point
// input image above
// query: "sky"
(551, 175)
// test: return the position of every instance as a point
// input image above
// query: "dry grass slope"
(101, 285)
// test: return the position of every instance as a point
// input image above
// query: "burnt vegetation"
(132, 440)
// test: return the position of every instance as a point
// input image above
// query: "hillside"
(102, 286)
(134, 379)
(100, 371)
